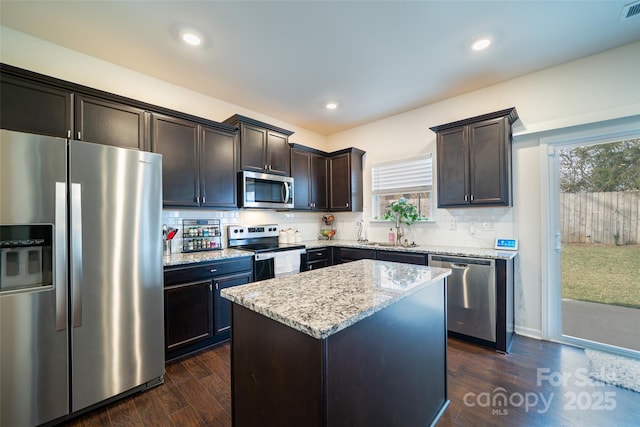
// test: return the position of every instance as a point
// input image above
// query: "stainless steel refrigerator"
(81, 298)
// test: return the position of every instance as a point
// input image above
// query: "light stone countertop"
(195, 257)
(322, 302)
(420, 249)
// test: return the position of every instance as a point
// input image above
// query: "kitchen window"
(411, 178)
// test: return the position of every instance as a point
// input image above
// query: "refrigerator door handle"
(76, 254)
(60, 231)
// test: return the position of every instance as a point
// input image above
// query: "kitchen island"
(358, 344)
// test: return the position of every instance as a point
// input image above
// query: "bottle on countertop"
(283, 237)
(298, 235)
(392, 236)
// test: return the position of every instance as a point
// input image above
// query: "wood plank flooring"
(197, 391)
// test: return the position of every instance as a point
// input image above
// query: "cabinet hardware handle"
(196, 199)
(466, 198)
(472, 197)
(79, 135)
(213, 270)
(69, 133)
(347, 205)
(204, 199)
(217, 288)
(210, 288)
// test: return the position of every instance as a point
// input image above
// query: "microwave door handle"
(286, 192)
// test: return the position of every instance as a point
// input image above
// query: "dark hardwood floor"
(529, 380)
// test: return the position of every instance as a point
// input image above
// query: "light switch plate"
(506, 244)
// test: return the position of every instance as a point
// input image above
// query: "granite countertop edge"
(182, 258)
(321, 274)
(424, 249)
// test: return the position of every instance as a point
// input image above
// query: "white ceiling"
(286, 59)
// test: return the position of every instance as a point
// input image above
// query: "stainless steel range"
(271, 259)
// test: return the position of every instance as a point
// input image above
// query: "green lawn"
(605, 274)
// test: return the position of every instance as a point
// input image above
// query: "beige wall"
(597, 88)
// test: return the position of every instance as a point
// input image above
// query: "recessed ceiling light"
(331, 106)
(481, 44)
(191, 38)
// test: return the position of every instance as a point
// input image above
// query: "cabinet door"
(488, 162)
(222, 306)
(34, 108)
(188, 314)
(453, 167)
(353, 254)
(218, 168)
(277, 153)
(177, 141)
(110, 123)
(340, 183)
(252, 147)
(318, 182)
(301, 173)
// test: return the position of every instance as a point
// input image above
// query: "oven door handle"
(260, 256)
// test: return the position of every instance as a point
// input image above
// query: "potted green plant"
(401, 212)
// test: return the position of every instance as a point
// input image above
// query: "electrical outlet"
(452, 224)
(488, 226)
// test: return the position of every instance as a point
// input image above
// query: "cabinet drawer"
(408, 258)
(317, 254)
(193, 272)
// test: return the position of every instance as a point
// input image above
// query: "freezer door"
(34, 365)
(116, 271)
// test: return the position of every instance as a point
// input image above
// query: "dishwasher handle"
(462, 260)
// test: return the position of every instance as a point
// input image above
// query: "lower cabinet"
(407, 258)
(319, 258)
(196, 316)
(342, 255)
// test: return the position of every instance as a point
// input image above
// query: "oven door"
(268, 265)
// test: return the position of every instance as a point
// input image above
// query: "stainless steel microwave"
(265, 191)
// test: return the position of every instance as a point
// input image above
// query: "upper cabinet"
(474, 160)
(345, 180)
(111, 123)
(263, 147)
(28, 106)
(199, 163)
(309, 172)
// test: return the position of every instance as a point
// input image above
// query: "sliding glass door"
(595, 249)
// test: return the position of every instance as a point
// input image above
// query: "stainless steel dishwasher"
(471, 295)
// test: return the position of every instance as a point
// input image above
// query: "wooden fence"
(602, 218)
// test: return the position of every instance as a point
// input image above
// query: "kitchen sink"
(389, 245)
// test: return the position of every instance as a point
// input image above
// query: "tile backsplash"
(469, 227)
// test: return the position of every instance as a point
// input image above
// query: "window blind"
(403, 176)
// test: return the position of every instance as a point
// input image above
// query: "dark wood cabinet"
(396, 256)
(345, 180)
(342, 254)
(177, 141)
(188, 314)
(28, 106)
(111, 123)
(218, 161)
(309, 171)
(263, 147)
(222, 307)
(199, 163)
(474, 160)
(319, 258)
(196, 316)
